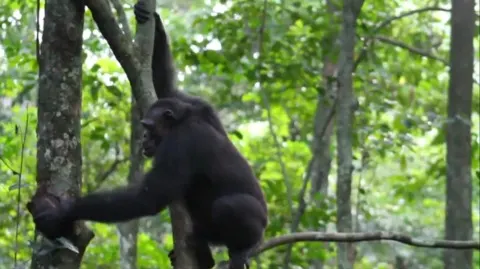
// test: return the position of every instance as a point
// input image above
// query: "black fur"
(194, 160)
(239, 211)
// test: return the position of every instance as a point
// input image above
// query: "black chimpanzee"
(193, 159)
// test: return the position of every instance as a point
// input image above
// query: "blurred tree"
(458, 215)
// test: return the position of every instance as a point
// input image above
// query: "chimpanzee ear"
(168, 114)
(148, 124)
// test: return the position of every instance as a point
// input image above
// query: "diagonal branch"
(122, 17)
(387, 22)
(136, 62)
(409, 48)
(122, 47)
(266, 101)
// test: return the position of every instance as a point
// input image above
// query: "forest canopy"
(359, 118)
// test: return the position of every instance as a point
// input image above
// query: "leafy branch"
(368, 40)
(412, 49)
(136, 61)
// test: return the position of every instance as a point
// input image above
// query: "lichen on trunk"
(59, 155)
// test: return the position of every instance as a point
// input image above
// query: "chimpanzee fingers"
(47, 212)
(172, 257)
(142, 15)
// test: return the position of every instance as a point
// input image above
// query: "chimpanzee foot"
(239, 259)
(142, 15)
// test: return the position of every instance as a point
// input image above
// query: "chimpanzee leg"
(202, 252)
(239, 221)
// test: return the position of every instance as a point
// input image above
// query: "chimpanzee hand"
(49, 213)
(142, 15)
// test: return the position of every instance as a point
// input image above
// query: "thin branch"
(19, 197)
(140, 76)
(362, 237)
(121, 46)
(122, 17)
(406, 14)
(387, 22)
(409, 48)
(266, 102)
(102, 177)
(8, 166)
(301, 196)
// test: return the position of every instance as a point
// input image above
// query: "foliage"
(399, 142)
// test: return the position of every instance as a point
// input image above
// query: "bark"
(59, 155)
(129, 230)
(458, 220)
(346, 251)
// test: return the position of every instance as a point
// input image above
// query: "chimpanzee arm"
(163, 184)
(163, 68)
(164, 77)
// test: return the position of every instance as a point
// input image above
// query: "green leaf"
(115, 91)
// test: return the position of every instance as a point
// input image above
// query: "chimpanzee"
(193, 159)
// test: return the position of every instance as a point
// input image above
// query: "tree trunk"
(345, 101)
(129, 230)
(458, 221)
(59, 155)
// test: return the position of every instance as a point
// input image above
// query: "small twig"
(301, 196)
(387, 22)
(37, 38)
(362, 237)
(406, 14)
(266, 102)
(8, 166)
(120, 44)
(409, 48)
(122, 18)
(113, 167)
(19, 197)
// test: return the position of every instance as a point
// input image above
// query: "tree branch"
(387, 22)
(266, 103)
(122, 17)
(121, 45)
(362, 237)
(409, 48)
(123, 49)
(136, 62)
(100, 178)
(406, 14)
